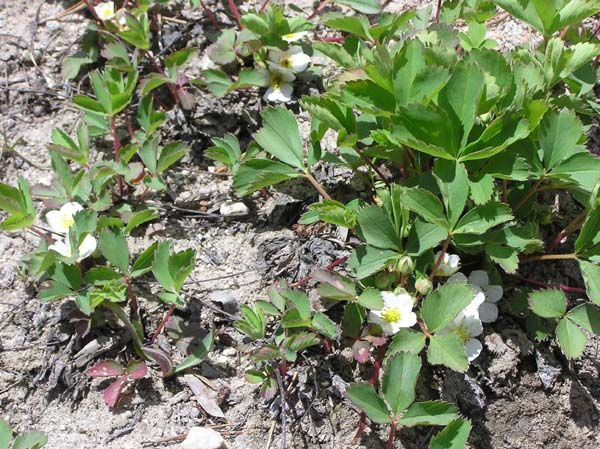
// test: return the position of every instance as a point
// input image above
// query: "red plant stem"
(129, 126)
(236, 12)
(438, 262)
(564, 288)
(211, 16)
(319, 9)
(392, 435)
(340, 39)
(47, 238)
(92, 10)
(438, 11)
(568, 230)
(117, 147)
(264, 5)
(371, 164)
(570, 256)
(163, 323)
(362, 421)
(329, 267)
(505, 191)
(528, 195)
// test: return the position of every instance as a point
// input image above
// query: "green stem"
(120, 313)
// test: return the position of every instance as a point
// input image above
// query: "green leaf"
(170, 154)
(454, 435)
(257, 174)
(407, 340)
(300, 301)
(378, 229)
(586, 316)
(160, 266)
(482, 189)
(443, 304)
(482, 218)
(5, 434)
(591, 277)
(559, 134)
(548, 303)
(424, 236)
(425, 204)
(324, 325)
(113, 247)
(571, 339)
(197, 356)
(447, 350)
(371, 299)
(143, 263)
(354, 315)
(399, 381)
(589, 236)
(463, 93)
(357, 25)
(365, 397)
(140, 217)
(226, 150)
(368, 260)
(253, 322)
(427, 129)
(364, 6)
(30, 440)
(453, 182)
(280, 136)
(431, 413)
(218, 82)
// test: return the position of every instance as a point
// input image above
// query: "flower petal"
(56, 223)
(87, 247)
(408, 319)
(473, 348)
(488, 312)
(300, 62)
(493, 293)
(479, 278)
(62, 247)
(473, 326)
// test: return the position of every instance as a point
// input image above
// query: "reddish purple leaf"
(137, 369)
(162, 358)
(113, 393)
(360, 351)
(108, 368)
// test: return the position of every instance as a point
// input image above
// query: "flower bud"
(405, 265)
(423, 285)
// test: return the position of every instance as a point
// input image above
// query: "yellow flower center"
(391, 315)
(67, 221)
(286, 62)
(462, 333)
(276, 81)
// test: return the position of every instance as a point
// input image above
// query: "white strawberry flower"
(293, 60)
(86, 248)
(105, 10)
(467, 325)
(280, 88)
(480, 280)
(450, 264)
(120, 19)
(293, 37)
(60, 221)
(395, 314)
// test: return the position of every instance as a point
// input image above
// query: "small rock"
(233, 209)
(229, 352)
(548, 368)
(7, 276)
(226, 299)
(203, 438)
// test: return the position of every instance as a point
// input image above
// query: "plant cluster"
(459, 143)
